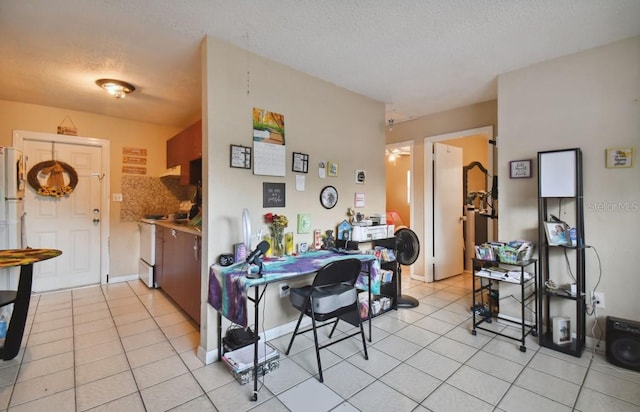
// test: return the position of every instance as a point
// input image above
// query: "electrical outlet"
(284, 289)
(116, 197)
(598, 299)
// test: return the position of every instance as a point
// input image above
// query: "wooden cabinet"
(185, 149)
(178, 268)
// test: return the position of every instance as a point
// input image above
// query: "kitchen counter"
(180, 225)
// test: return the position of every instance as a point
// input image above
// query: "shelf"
(563, 295)
(574, 348)
(553, 189)
(484, 313)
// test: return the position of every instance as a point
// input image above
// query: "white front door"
(68, 223)
(447, 211)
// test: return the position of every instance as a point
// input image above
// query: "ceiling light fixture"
(116, 88)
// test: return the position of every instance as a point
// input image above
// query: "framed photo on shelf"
(300, 163)
(557, 233)
(519, 169)
(240, 157)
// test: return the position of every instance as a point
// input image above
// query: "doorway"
(455, 139)
(78, 223)
(399, 184)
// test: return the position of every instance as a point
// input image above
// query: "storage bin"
(240, 361)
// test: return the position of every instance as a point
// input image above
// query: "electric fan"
(407, 251)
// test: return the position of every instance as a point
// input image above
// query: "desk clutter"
(512, 252)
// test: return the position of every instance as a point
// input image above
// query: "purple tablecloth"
(228, 285)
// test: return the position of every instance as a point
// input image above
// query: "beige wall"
(322, 120)
(464, 118)
(588, 100)
(121, 133)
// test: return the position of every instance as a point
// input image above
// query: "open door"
(448, 243)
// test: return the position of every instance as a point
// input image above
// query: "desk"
(25, 258)
(228, 286)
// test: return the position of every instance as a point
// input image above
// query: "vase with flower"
(277, 224)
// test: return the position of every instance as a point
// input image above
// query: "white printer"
(364, 233)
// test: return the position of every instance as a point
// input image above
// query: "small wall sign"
(619, 157)
(273, 194)
(519, 169)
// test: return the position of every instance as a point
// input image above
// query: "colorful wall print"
(268, 143)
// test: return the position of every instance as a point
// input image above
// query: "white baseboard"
(123, 278)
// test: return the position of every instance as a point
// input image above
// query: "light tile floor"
(124, 347)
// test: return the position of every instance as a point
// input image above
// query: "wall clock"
(328, 197)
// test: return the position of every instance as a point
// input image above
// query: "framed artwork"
(361, 177)
(519, 169)
(328, 197)
(304, 223)
(239, 252)
(332, 169)
(240, 157)
(300, 162)
(557, 233)
(618, 157)
(273, 194)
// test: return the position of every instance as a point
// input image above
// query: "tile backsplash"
(142, 195)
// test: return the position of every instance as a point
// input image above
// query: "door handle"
(96, 220)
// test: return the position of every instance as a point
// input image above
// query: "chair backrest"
(339, 271)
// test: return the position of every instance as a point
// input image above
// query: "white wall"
(588, 100)
(321, 119)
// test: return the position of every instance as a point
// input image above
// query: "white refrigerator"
(12, 190)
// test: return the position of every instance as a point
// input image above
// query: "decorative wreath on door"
(53, 171)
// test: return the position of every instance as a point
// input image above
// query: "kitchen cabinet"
(178, 267)
(185, 150)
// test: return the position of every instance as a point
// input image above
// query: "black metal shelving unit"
(482, 285)
(553, 302)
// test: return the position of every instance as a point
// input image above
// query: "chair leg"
(333, 329)
(295, 331)
(364, 341)
(315, 339)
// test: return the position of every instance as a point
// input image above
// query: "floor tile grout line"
(137, 295)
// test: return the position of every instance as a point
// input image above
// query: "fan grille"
(408, 246)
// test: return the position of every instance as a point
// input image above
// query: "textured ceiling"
(417, 56)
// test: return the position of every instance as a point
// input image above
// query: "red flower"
(268, 217)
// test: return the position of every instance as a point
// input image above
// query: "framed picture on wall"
(240, 157)
(519, 169)
(619, 157)
(300, 162)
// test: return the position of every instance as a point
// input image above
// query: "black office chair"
(332, 295)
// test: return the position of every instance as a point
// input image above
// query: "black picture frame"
(328, 197)
(273, 194)
(300, 162)
(519, 169)
(240, 157)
